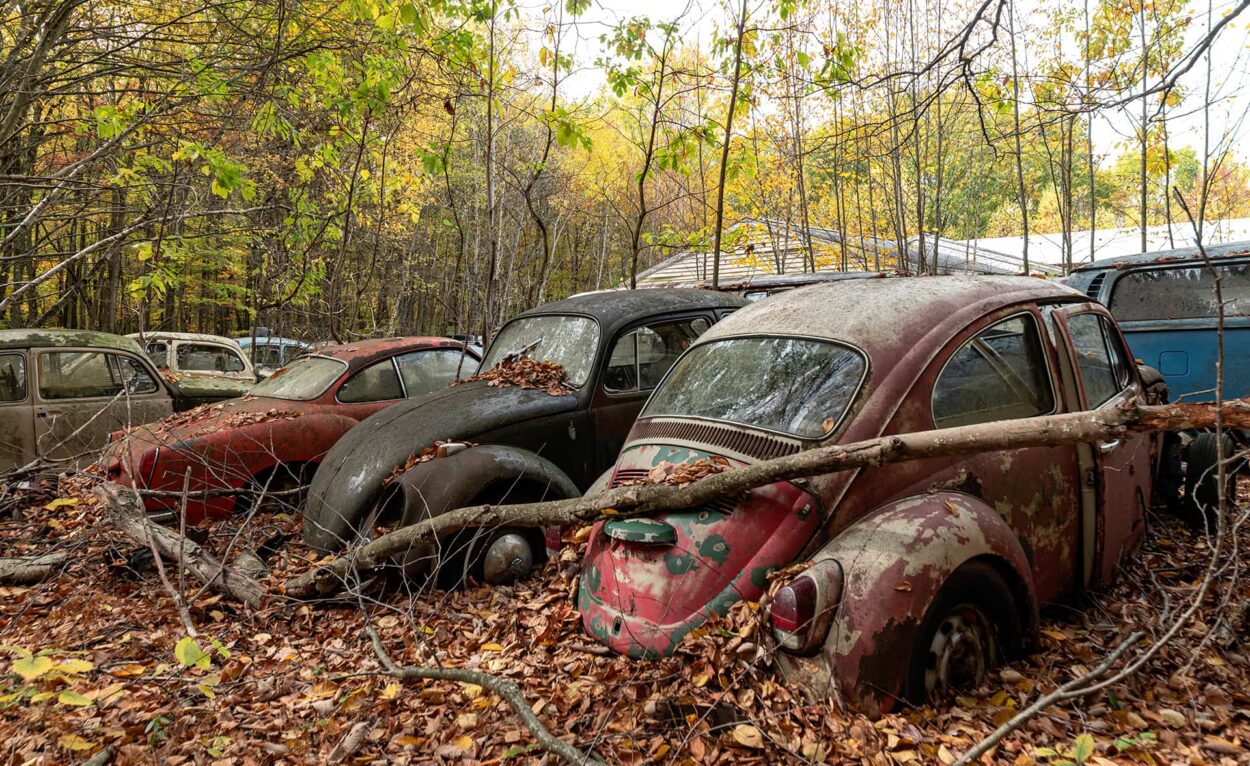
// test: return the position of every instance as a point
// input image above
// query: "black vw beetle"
(486, 444)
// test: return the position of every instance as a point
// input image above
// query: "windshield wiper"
(521, 352)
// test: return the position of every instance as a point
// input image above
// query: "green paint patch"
(678, 563)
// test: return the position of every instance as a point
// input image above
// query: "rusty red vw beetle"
(921, 574)
(270, 440)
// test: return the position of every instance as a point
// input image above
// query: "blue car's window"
(999, 374)
(795, 386)
(1181, 293)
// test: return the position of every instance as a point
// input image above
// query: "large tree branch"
(1075, 428)
(126, 511)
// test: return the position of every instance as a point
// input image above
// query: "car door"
(637, 359)
(86, 394)
(1117, 472)
(370, 389)
(17, 429)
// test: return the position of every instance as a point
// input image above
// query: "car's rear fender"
(443, 484)
(893, 563)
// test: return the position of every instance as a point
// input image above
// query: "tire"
(971, 626)
(495, 556)
(1202, 483)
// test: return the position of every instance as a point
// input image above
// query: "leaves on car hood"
(526, 373)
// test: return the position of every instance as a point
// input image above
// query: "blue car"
(271, 352)
(1165, 303)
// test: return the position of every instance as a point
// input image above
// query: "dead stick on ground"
(1050, 430)
(28, 571)
(507, 690)
(126, 510)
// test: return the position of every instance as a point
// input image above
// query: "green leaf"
(190, 654)
(1083, 747)
(71, 697)
(30, 668)
(75, 666)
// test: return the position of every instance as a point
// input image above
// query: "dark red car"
(922, 574)
(271, 439)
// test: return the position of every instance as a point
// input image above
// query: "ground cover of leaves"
(109, 665)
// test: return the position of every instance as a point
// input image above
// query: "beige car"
(62, 392)
(203, 368)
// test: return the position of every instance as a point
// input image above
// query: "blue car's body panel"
(1185, 350)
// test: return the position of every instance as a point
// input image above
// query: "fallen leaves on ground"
(294, 683)
(526, 373)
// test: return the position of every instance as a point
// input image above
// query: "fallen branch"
(507, 690)
(28, 571)
(1050, 430)
(127, 513)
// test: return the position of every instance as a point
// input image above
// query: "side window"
(426, 371)
(91, 374)
(375, 383)
(642, 356)
(158, 352)
(203, 357)
(265, 355)
(1103, 373)
(132, 375)
(12, 377)
(1000, 374)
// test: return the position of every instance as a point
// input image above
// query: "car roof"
(1159, 257)
(876, 313)
(270, 340)
(614, 308)
(55, 337)
(192, 336)
(361, 353)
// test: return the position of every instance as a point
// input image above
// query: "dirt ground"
(98, 660)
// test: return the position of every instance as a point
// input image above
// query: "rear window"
(795, 386)
(1181, 293)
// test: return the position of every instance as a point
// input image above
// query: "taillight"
(803, 608)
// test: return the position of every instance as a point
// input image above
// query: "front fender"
(894, 562)
(444, 484)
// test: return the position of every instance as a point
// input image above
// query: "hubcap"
(508, 558)
(961, 651)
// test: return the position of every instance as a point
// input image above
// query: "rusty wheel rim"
(960, 652)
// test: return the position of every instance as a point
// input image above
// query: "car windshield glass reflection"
(569, 341)
(799, 387)
(301, 380)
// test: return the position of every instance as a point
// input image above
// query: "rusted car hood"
(353, 471)
(647, 583)
(216, 418)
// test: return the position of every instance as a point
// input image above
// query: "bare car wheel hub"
(960, 652)
(508, 558)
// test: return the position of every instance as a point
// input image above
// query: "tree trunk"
(1049, 430)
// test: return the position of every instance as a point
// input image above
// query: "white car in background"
(207, 367)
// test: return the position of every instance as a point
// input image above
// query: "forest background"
(336, 169)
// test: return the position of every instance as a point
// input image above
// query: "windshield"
(569, 341)
(798, 387)
(303, 379)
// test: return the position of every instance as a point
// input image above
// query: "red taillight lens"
(794, 605)
(803, 608)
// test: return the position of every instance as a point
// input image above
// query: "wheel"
(1202, 482)
(969, 628)
(269, 494)
(494, 556)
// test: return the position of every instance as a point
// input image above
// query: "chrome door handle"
(1107, 447)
